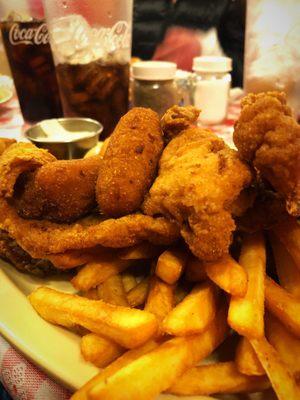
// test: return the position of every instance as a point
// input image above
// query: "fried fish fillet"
(42, 187)
(41, 238)
(268, 137)
(19, 158)
(199, 179)
(60, 191)
(129, 162)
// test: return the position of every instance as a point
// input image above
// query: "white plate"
(55, 350)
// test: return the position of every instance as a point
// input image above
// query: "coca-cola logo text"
(24, 35)
(117, 36)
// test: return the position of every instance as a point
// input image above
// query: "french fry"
(98, 350)
(228, 275)
(246, 359)
(280, 376)
(94, 273)
(122, 361)
(157, 370)
(179, 294)
(286, 344)
(138, 295)
(194, 313)
(246, 314)
(283, 305)
(288, 232)
(194, 270)
(129, 281)
(91, 294)
(160, 300)
(140, 251)
(287, 271)
(216, 379)
(127, 327)
(170, 265)
(112, 291)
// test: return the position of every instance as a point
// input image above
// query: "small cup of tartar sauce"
(65, 138)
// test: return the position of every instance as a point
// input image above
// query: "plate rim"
(59, 375)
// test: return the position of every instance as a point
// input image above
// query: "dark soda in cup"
(95, 90)
(30, 58)
(91, 46)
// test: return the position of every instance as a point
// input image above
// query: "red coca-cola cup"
(26, 41)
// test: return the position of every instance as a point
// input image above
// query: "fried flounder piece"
(199, 179)
(267, 136)
(42, 238)
(60, 191)
(40, 186)
(19, 158)
(129, 163)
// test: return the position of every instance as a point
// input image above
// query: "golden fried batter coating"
(42, 238)
(199, 178)
(176, 119)
(42, 187)
(267, 136)
(5, 143)
(19, 158)
(60, 191)
(129, 163)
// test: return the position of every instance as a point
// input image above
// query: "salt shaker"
(154, 86)
(212, 85)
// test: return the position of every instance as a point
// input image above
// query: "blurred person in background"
(179, 30)
(231, 34)
(150, 21)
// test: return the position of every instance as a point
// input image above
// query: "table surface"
(22, 379)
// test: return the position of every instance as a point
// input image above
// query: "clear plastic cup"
(272, 52)
(91, 43)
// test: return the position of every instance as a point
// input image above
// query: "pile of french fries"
(150, 315)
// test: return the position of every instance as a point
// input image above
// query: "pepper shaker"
(154, 85)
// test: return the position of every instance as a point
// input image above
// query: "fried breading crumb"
(267, 136)
(199, 178)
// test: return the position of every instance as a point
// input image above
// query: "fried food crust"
(267, 136)
(41, 238)
(177, 119)
(5, 143)
(19, 158)
(40, 186)
(129, 163)
(199, 178)
(60, 191)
